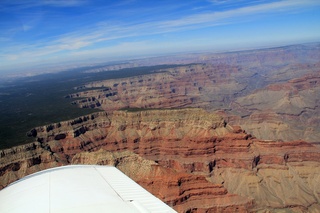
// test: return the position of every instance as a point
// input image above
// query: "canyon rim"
(227, 132)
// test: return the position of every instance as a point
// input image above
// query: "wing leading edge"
(79, 188)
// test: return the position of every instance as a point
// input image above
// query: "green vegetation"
(40, 100)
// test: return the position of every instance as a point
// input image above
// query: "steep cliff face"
(185, 192)
(183, 86)
(190, 158)
(23, 160)
(286, 111)
(271, 93)
(284, 177)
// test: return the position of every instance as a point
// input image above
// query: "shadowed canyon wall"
(270, 93)
(191, 159)
(218, 149)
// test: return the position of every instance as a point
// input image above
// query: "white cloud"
(63, 3)
(90, 36)
(19, 5)
(12, 57)
(205, 18)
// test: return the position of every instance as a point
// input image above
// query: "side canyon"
(191, 159)
(225, 132)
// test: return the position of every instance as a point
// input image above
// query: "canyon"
(191, 159)
(224, 132)
(270, 93)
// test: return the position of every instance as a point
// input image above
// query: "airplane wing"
(79, 188)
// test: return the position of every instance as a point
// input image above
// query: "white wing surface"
(79, 188)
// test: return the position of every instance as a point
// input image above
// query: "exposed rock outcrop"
(270, 93)
(182, 86)
(185, 192)
(190, 158)
(194, 160)
(286, 111)
(23, 160)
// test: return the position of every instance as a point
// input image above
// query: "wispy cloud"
(63, 3)
(205, 19)
(105, 31)
(218, 1)
(19, 5)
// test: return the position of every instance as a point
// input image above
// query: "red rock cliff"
(190, 158)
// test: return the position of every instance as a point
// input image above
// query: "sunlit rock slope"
(270, 93)
(191, 159)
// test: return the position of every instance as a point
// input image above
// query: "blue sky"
(34, 32)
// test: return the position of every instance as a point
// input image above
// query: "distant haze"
(60, 34)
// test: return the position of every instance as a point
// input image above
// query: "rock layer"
(273, 111)
(185, 192)
(175, 87)
(270, 93)
(191, 159)
(195, 160)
